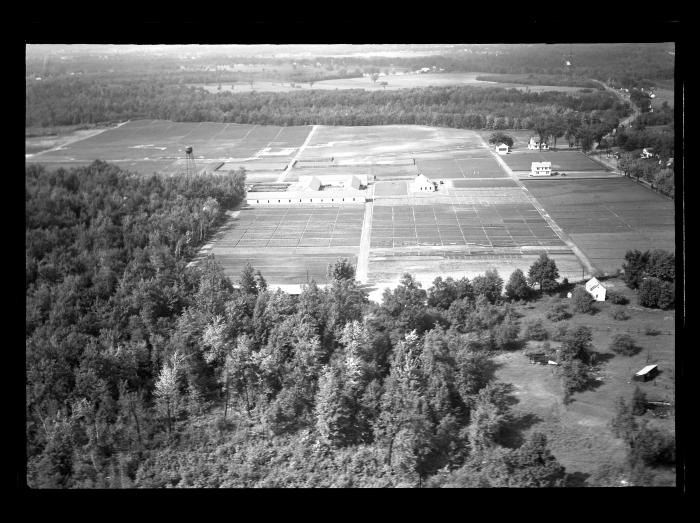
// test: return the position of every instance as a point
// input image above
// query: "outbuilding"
(596, 289)
(502, 148)
(647, 373)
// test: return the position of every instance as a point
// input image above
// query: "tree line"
(75, 101)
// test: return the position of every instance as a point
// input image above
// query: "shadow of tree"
(576, 479)
(511, 434)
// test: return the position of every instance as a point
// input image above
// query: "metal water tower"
(190, 165)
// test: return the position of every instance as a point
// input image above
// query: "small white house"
(502, 149)
(541, 169)
(647, 152)
(595, 289)
(421, 184)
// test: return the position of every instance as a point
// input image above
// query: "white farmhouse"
(502, 149)
(595, 289)
(421, 184)
(537, 145)
(541, 169)
(647, 152)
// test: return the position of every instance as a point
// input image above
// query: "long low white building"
(335, 195)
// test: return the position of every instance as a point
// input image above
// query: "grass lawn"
(579, 433)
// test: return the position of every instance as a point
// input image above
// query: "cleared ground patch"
(289, 244)
(400, 143)
(608, 217)
(561, 161)
(158, 145)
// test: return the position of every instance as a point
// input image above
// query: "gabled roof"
(313, 183)
(422, 178)
(543, 165)
(593, 283)
(501, 145)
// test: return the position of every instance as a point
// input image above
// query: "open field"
(578, 433)
(37, 144)
(608, 217)
(158, 145)
(561, 161)
(289, 244)
(663, 95)
(373, 144)
(480, 165)
(393, 82)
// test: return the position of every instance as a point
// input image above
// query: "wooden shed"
(647, 373)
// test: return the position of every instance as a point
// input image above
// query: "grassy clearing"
(579, 433)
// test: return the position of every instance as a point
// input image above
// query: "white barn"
(502, 148)
(541, 169)
(596, 289)
(421, 184)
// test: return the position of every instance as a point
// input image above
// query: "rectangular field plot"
(506, 225)
(608, 217)
(561, 161)
(286, 243)
(150, 145)
(483, 166)
(505, 182)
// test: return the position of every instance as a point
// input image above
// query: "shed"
(647, 373)
(502, 148)
(422, 183)
(596, 289)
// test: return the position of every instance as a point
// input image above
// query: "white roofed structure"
(596, 289)
(421, 184)
(541, 169)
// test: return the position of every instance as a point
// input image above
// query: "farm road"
(363, 255)
(297, 155)
(590, 269)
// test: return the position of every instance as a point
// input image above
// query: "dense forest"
(77, 101)
(144, 372)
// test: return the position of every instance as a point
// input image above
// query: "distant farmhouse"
(541, 169)
(536, 144)
(596, 289)
(502, 148)
(421, 184)
(648, 152)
